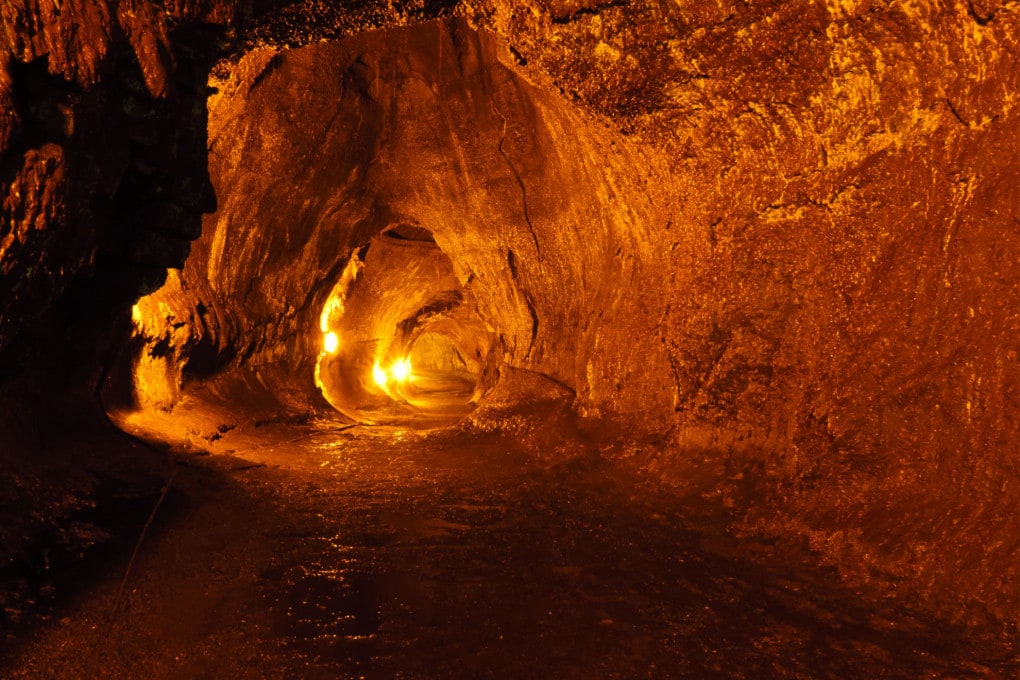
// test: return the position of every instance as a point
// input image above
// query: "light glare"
(401, 369)
(379, 375)
(330, 342)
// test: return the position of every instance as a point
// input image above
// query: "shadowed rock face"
(103, 142)
(779, 243)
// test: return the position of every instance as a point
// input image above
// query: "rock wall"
(839, 300)
(103, 167)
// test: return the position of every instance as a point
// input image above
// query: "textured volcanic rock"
(423, 126)
(839, 304)
(777, 243)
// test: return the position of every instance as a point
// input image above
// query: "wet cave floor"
(315, 551)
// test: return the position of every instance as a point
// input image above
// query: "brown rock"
(146, 30)
(73, 37)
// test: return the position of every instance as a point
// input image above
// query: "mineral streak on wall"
(778, 243)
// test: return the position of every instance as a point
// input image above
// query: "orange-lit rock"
(771, 251)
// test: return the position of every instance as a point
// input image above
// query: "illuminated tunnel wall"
(454, 212)
(792, 298)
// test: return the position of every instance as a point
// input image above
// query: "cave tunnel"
(411, 351)
(482, 340)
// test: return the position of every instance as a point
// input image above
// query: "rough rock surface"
(103, 137)
(520, 194)
(778, 243)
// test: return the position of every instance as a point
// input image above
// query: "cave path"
(382, 553)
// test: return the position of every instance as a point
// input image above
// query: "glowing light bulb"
(330, 342)
(379, 375)
(401, 370)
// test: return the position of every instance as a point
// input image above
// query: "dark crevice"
(410, 232)
(43, 103)
(534, 322)
(272, 65)
(598, 8)
(520, 183)
(956, 114)
(983, 18)
(518, 56)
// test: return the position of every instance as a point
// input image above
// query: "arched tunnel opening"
(560, 340)
(422, 231)
(402, 342)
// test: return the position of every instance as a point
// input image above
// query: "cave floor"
(377, 552)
